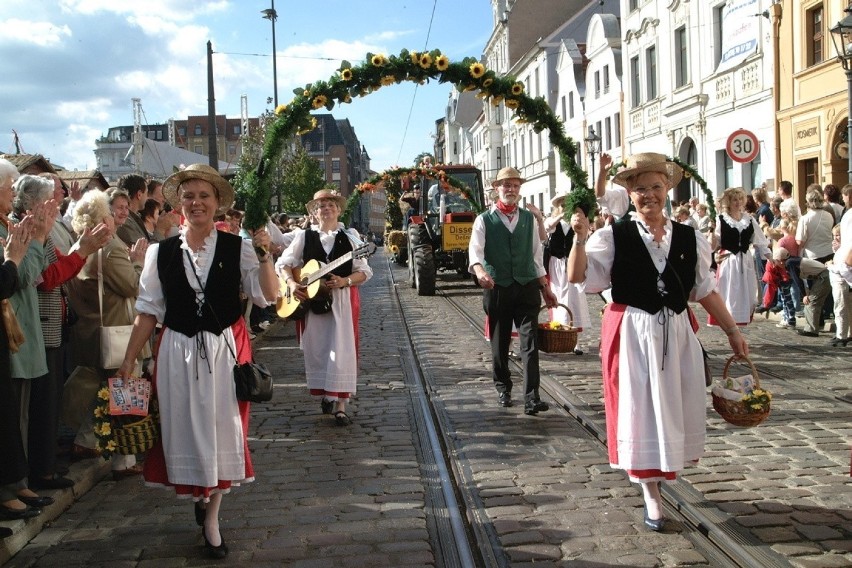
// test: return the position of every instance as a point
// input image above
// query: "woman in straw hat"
(331, 379)
(736, 277)
(202, 451)
(560, 241)
(654, 393)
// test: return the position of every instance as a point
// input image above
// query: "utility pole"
(213, 153)
(137, 134)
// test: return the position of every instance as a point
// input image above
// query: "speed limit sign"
(742, 146)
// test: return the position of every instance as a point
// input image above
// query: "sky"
(69, 68)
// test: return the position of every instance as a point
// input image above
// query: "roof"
(85, 177)
(29, 163)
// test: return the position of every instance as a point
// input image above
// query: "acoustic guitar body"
(290, 307)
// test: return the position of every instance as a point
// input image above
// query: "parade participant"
(505, 254)
(561, 238)
(736, 278)
(615, 199)
(333, 379)
(192, 283)
(654, 393)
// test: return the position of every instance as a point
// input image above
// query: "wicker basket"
(135, 435)
(558, 340)
(733, 411)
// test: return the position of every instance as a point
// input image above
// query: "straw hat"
(326, 194)
(507, 173)
(558, 200)
(780, 254)
(648, 162)
(203, 172)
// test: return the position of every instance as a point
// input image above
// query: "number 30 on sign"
(742, 146)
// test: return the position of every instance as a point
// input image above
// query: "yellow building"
(812, 96)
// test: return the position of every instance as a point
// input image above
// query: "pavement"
(357, 496)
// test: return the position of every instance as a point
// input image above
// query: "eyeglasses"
(510, 185)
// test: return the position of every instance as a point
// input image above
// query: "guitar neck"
(328, 268)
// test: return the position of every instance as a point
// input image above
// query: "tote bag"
(113, 339)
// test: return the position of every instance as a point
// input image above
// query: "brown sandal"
(342, 419)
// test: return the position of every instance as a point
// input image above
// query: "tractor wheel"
(421, 260)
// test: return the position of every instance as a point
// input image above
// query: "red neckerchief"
(507, 210)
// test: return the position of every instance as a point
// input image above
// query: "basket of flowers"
(124, 434)
(740, 400)
(555, 337)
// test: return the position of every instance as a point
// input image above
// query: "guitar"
(310, 276)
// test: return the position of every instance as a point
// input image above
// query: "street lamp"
(841, 36)
(271, 15)
(593, 147)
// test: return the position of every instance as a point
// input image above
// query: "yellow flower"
(496, 100)
(555, 325)
(306, 93)
(517, 88)
(99, 412)
(487, 83)
(378, 60)
(442, 63)
(512, 104)
(111, 446)
(425, 61)
(280, 109)
(757, 406)
(394, 249)
(477, 70)
(346, 74)
(388, 80)
(103, 394)
(415, 57)
(347, 98)
(105, 429)
(320, 101)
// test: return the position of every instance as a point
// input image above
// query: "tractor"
(438, 235)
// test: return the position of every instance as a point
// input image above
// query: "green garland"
(688, 172)
(379, 71)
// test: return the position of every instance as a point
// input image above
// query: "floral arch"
(379, 71)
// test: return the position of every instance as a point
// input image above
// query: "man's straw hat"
(648, 162)
(507, 173)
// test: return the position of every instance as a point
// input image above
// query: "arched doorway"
(687, 187)
(839, 153)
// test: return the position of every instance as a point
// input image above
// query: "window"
(198, 130)
(651, 70)
(815, 35)
(606, 79)
(237, 129)
(335, 165)
(159, 135)
(307, 146)
(455, 148)
(633, 4)
(499, 157)
(198, 149)
(808, 172)
(724, 171)
(617, 121)
(597, 84)
(523, 161)
(232, 149)
(564, 111)
(635, 83)
(717, 34)
(681, 58)
(182, 131)
(607, 133)
(537, 85)
(571, 104)
(540, 145)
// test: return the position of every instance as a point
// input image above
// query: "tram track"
(703, 523)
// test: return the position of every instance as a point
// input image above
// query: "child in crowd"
(778, 280)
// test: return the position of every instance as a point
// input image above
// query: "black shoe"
(342, 419)
(837, 342)
(6, 531)
(761, 310)
(533, 407)
(653, 524)
(505, 399)
(200, 513)
(327, 406)
(8, 514)
(807, 333)
(53, 482)
(36, 502)
(217, 552)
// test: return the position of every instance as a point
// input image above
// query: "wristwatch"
(349, 281)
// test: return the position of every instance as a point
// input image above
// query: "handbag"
(252, 381)
(112, 339)
(13, 328)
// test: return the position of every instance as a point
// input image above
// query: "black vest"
(634, 276)
(559, 244)
(313, 251)
(733, 240)
(221, 293)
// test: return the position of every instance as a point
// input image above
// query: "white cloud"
(174, 10)
(92, 110)
(42, 34)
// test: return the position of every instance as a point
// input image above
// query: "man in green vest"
(506, 258)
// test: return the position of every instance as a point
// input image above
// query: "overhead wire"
(416, 85)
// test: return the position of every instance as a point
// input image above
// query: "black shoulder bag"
(253, 381)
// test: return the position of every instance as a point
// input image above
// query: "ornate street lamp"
(593, 148)
(271, 15)
(841, 36)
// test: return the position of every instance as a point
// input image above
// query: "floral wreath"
(379, 71)
(688, 172)
(106, 444)
(392, 178)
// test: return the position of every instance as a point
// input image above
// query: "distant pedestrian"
(654, 393)
(506, 257)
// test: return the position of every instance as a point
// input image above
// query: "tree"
(301, 177)
(422, 156)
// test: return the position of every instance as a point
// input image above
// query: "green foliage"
(301, 177)
(422, 156)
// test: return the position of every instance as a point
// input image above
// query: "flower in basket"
(757, 400)
(103, 425)
(554, 325)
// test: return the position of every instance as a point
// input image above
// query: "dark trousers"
(519, 305)
(45, 404)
